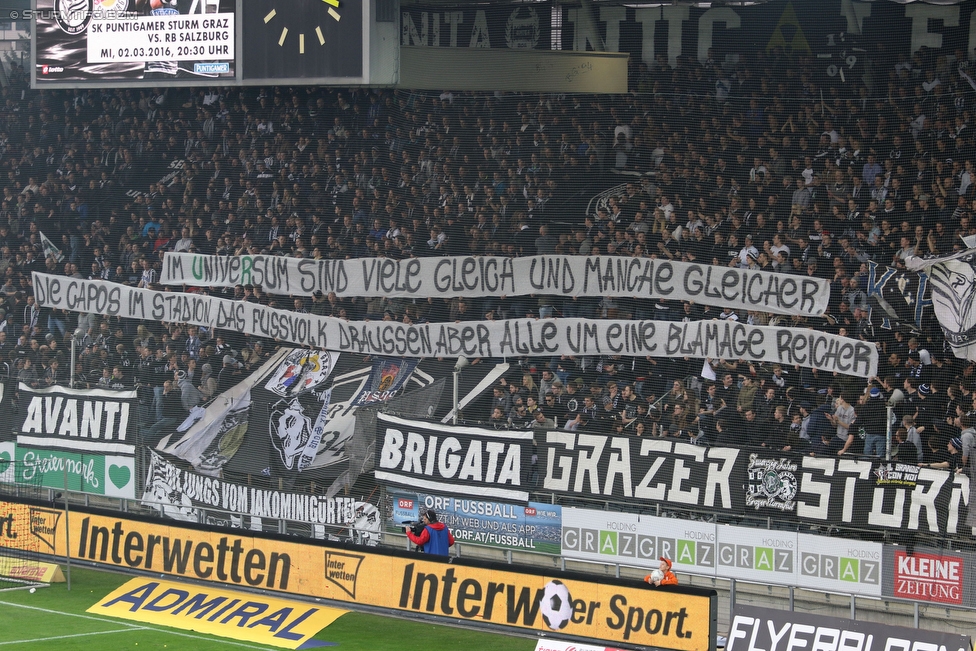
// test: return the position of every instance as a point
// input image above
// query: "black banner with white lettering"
(755, 628)
(455, 460)
(182, 494)
(83, 440)
(786, 486)
(841, 35)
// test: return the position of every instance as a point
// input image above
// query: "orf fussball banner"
(526, 598)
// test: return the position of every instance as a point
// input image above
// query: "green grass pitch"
(54, 619)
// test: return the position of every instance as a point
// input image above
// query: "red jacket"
(424, 536)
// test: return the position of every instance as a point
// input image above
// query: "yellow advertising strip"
(583, 608)
(215, 611)
(27, 570)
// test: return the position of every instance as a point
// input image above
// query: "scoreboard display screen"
(150, 42)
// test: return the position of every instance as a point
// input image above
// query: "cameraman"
(435, 538)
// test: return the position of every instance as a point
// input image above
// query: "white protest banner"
(506, 338)
(557, 275)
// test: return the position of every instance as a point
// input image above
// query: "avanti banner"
(493, 339)
(560, 275)
(83, 440)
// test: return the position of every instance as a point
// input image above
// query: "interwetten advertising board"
(525, 598)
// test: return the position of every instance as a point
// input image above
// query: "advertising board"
(525, 598)
(762, 628)
(724, 551)
(533, 527)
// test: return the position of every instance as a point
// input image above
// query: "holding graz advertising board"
(510, 526)
(134, 40)
(724, 551)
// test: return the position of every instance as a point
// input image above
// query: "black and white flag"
(952, 280)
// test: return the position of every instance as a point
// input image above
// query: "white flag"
(50, 249)
(952, 280)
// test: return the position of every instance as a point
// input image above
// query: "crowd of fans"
(769, 173)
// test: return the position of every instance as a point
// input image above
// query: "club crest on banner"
(301, 370)
(772, 483)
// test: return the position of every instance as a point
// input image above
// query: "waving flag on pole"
(952, 282)
(50, 249)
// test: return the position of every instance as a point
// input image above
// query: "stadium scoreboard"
(131, 43)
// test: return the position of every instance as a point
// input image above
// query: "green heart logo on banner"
(119, 475)
(4, 460)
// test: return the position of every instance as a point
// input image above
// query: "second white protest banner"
(505, 338)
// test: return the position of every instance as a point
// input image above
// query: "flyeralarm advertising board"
(576, 605)
(754, 628)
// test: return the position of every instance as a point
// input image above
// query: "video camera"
(416, 527)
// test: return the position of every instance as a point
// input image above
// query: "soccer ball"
(657, 575)
(556, 605)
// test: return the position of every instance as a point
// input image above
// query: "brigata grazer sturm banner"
(816, 490)
(560, 275)
(461, 460)
(504, 338)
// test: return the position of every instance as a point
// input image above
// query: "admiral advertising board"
(524, 598)
(266, 620)
(724, 551)
(534, 527)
